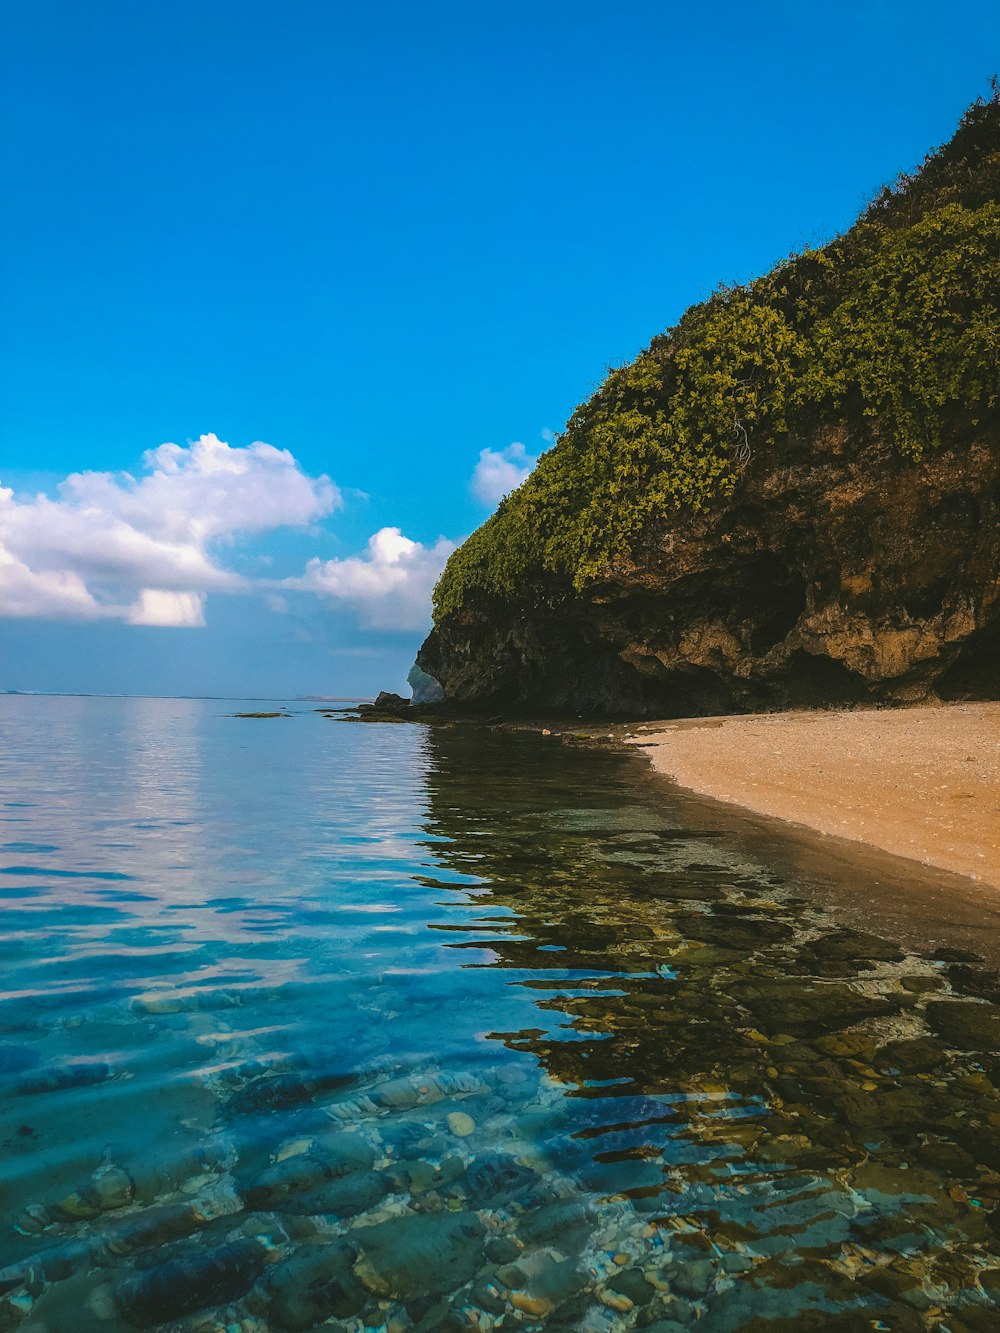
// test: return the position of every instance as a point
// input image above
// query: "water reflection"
(809, 1108)
(367, 1027)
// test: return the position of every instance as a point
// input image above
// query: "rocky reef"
(790, 499)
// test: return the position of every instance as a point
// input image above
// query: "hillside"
(791, 497)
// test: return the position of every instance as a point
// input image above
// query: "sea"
(308, 1023)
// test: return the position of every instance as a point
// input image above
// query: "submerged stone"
(194, 1281)
(330, 1158)
(342, 1198)
(501, 1176)
(313, 1284)
(149, 1229)
(966, 1024)
(916, 1055)
(632, 1284)
(804, 1008)
(419, 1254)
(565, 1221)
(279, 1092)
(59, 1078)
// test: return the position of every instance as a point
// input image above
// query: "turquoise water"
(315, 1024)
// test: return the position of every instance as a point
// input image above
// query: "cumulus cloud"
(389, 586)
(57, 594)
(156, 606)
(146, 549)
(500, 471)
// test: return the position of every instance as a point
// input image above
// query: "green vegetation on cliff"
(892, 329)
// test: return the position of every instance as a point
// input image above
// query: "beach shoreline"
(920, 782)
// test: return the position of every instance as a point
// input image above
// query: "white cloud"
(176, 610)
(148, 549)
(500, 471)
(59, 594)
(145, 549)
(390, 585)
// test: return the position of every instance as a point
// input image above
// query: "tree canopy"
(891, 328)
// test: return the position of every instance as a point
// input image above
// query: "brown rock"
(838, 572)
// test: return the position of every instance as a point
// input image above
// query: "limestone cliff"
(791, 498)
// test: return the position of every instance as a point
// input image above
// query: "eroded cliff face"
(836, 573)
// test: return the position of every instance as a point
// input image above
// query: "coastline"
(921, 783)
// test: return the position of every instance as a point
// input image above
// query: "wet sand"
(921, 783)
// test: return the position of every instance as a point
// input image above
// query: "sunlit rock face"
(837, 572)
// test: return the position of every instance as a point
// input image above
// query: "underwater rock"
(501, 1250)
(893, 1110)
(148, 1229)
(879, 1182)
(490, 1293)
(191, 1282)
(693, 1279)
(162, 1170)
(977, 981)
(965, 1024)
(568, 1222)
(631, 1284)
(342, 1198)
(111, 1187)
(854, 946)
(413, 1090)
(555, 1280)
(412, 1139)
(313, 1284)
(407, 1093)
(294, 1175)
(916, 1055)
(804, 1009)
(345, 1152)
(59, 1078)
(499, 1176)
(54, 1264)
(332, 1157)
(419, 1254)
(412, 1176)
(460, 1124)
(279, 1092)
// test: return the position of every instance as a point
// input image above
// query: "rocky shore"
(921, 783)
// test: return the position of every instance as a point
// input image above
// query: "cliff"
(790, 498)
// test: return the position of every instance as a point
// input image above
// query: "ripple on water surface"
(318, 1025)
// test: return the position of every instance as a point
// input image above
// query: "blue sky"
(382, 239)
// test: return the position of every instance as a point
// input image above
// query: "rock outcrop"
(832, 545)
(835, 574)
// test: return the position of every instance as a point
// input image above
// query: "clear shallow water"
(309, 1024)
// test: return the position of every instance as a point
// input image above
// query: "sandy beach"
(921, 783)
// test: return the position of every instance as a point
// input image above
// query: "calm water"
(309, 1024)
